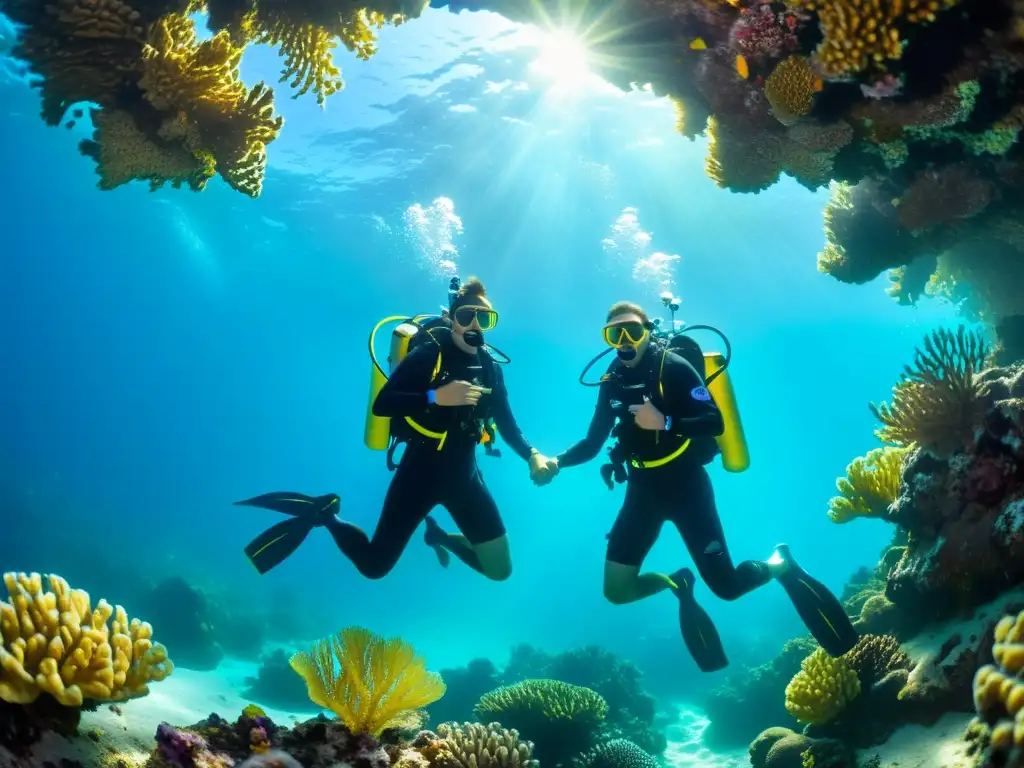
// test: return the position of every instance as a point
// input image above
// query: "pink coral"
(762, 33)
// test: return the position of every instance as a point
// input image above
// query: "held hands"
(542, 469)
(647, 416)
(456, 393)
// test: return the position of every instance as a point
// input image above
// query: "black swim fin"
(433, 538)
(819, 609)
(275, 544)
(698, 630)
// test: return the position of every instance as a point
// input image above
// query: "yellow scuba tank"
(732, 442)
(377, 432)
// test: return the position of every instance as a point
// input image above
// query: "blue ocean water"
(165, 354)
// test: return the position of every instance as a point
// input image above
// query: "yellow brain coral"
(790, 89)
(999, 690)
(54, 642)
(369, 682)
(822, 688)
(871, 485)
(864, 34)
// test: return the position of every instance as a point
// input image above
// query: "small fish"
(818, 84)
(742, 69)
(698, 44)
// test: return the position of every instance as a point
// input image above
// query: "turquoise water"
(167, 353)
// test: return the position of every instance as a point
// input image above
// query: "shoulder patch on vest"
(700, 393)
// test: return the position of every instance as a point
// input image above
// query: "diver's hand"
(456, 393)
(542, 469)
(647, 416)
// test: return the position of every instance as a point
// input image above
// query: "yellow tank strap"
(678, 451)
(439, 436)
(663, 460)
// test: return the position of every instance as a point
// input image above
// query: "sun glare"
(563, 59)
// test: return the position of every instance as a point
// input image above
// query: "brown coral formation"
(171, 95)
(790, 89)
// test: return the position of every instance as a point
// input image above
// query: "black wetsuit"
(679, 491)
(426, 476)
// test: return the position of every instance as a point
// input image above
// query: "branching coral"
(473, 745)
(871, 485)
(54, 642)
(936, 404)
(377, 683)
(822, 688)
(999, 696)
(864, 34)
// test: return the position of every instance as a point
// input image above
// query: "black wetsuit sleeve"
(501, 412)
(405, 393)
(686, 400)
(597, 433)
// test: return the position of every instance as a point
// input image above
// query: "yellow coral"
(790, 89)
(377, 683)
(740, 161)
(54, 642)
(473, 745)
(871, 485)
(937, 404)
(999, 688)
(179, 73)
(123, 153)
(863, 34)
(822, 688)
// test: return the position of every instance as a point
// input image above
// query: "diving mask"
(486, 318)
(625, 334)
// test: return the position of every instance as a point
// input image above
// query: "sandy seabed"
(122, 736)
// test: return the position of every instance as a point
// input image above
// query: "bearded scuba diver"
(672, 409)
(444, 393)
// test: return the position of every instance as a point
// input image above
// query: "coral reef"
(996, 733)
(822, 688)
(617, 753)
(631, 711)
(370, 682)
(754, 699)
(870, 487)
(173, 109)
(783, 748)
(563, 720)
(55, 643)
(472, 745)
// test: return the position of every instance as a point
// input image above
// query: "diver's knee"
(376, 569)
(499, 573)
(616, 594)
(724, 589)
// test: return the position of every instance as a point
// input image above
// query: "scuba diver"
(441, 395)
(669, 426)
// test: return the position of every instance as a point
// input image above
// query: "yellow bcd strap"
(439, 436)
(678, 451)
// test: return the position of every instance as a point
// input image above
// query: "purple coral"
(184, 749)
